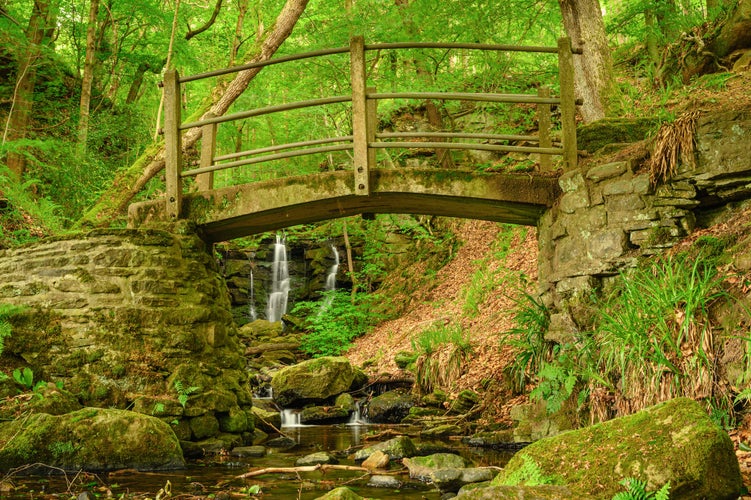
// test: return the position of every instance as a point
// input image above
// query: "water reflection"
(219, 473)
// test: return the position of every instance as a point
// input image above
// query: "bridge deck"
(233, 212)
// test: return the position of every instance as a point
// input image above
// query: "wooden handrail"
(363, 141)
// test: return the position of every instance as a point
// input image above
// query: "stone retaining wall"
(610, 215)
(130, 319)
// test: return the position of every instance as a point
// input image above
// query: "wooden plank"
(173, 150)
(568, 103)
(543, 125)
(359, 116)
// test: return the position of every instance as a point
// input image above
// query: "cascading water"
(330, 283)
(252, 314)
(277, 303)
(331, 275)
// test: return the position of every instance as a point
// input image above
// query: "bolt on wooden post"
(359, 115)
(173, 151)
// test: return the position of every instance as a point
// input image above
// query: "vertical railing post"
(371, 109)
(173, 151)
(205, 181)
(568, 102)
(359, 115)
(543, 126)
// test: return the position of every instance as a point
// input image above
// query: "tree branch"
(191, 33)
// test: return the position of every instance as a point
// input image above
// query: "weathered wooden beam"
(568, 102)
(205, 181)
(173, 150)
(543, 126)
(359, 115)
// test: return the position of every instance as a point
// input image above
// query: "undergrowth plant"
(637, 490)
(442, 350)
(529, 474)
(527, 337)
(331, 330)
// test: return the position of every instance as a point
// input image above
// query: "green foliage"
(442, 350)
(333, 323)
(6, 312)
(183, 393)
(24, 377)
(555, 385)
(529, 474)
(430, 339)
(527, 337)
(60, 449)
(637, 490)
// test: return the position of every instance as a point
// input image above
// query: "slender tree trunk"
(242, 11)
(88, 77)
(38, 32)
(593, 70)
(653, 48)
(128, 183)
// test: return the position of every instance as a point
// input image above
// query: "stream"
(215, 476)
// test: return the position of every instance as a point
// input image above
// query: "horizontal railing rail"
(365, 140)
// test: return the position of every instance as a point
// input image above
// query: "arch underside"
(227, 213)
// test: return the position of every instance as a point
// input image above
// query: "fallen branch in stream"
(302, 468)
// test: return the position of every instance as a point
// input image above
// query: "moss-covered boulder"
(92, 439)
(596, 135)
(340, 493)
(390, 407)
(313, 381)
(674, 441)
(421, 468)
(546, 492)
(397, 448)
(323, 415)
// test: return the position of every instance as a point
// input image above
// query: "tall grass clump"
(527, 338)
(442, 350)
(655, 335)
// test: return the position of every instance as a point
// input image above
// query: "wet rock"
(204, 426)
(323, 415)
(390, 407)
(90, 439)
(345, 401)
(674, 441)
(283, 442)
(377, 460)
(267, 421)
(465, 401)
(454, 479)
(322, 457)
(381, 481)
(442, 431)
(313, 381)
(249, 451)
(421, 468)
(261, 329)
(341, 493)
(397, 448)
(48, 399)
(435, 399)
(492, 439)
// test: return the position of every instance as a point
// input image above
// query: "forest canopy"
(80, 101)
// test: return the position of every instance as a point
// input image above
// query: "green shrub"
(332, 324)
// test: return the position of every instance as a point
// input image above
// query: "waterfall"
(277, 303)
(290, 418)
(252, 314)
(330, 283)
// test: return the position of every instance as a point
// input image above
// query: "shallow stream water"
(217, 476)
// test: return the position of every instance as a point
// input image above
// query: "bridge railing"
(365, 139)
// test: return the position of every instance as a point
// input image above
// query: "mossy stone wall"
(129, 318)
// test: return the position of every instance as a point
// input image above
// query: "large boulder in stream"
(674, 441)
(315, 381)
(93, 439)
(390, 407)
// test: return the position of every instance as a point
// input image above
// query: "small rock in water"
(378, 460)
(281, 442)
(379, 481)
(249, 451)
(322, 457)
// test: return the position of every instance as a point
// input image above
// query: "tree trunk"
(38, 32)
(128, 183)
(88, 78)
(593, 70)
(697, 55)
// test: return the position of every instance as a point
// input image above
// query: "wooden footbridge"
(234, 211)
